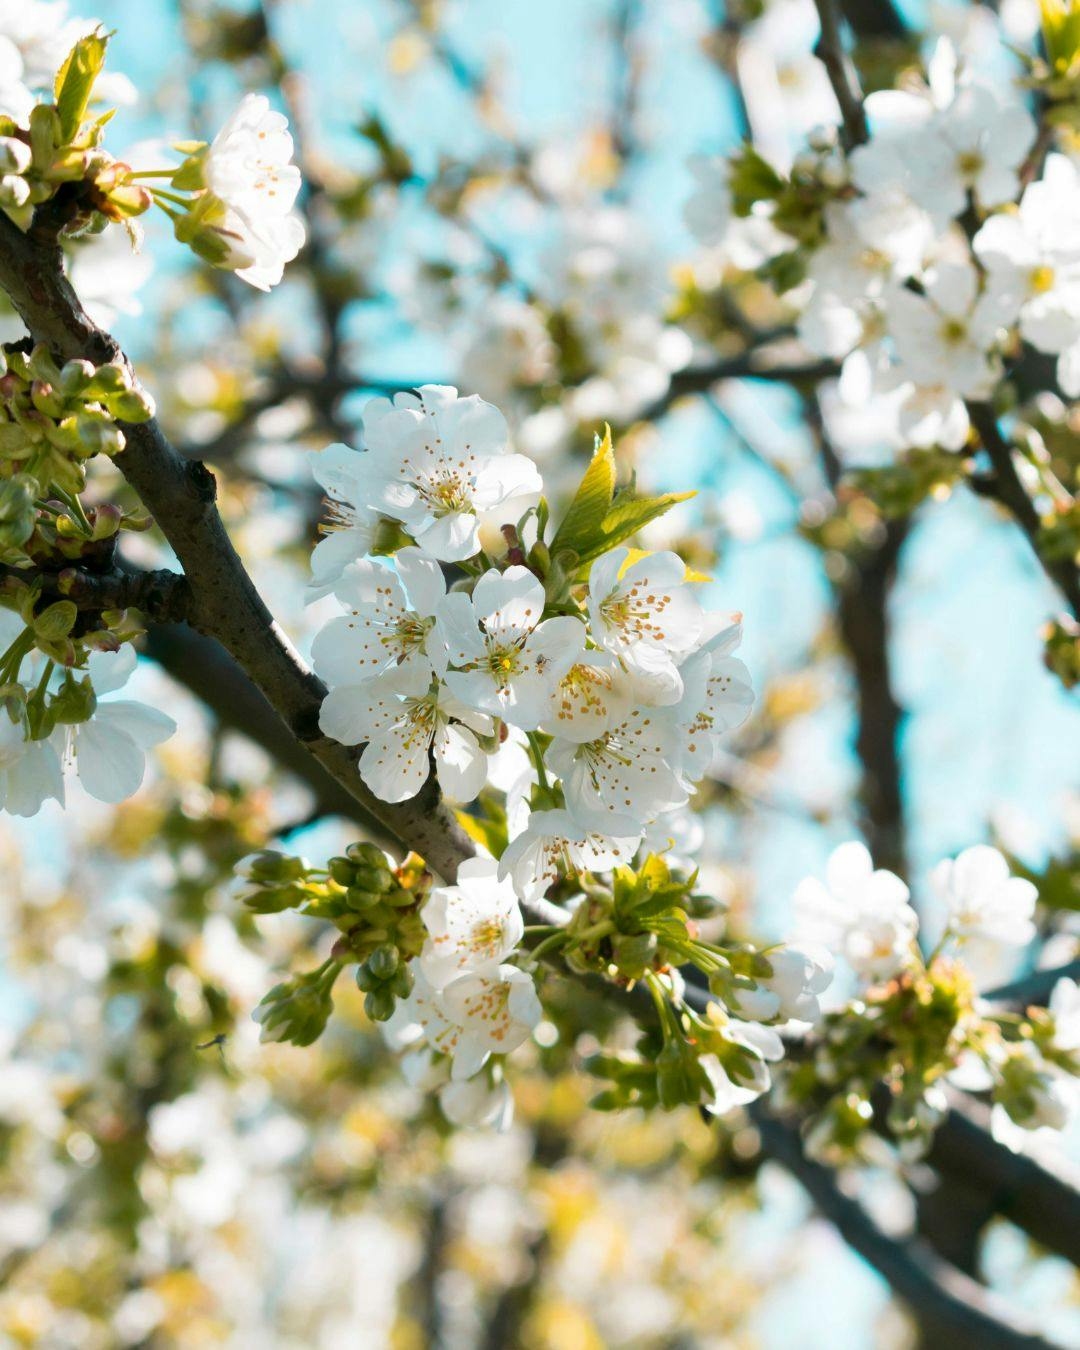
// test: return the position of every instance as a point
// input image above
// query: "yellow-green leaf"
(75, 81)
(581, 525)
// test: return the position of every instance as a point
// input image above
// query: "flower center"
(486, 936)
(953, 332)
(1041, 279)
(446, 491)
(970, 163)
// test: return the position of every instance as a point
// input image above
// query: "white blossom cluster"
(618, 688)
(944, 239)
(865, 916)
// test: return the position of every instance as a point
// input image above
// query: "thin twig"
(842, 75)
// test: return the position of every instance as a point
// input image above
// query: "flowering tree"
(521, 697)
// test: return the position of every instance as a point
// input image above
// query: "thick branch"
(951, 1307)
(224, 602)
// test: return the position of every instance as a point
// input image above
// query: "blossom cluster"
(574, 689)
(920, 259)
(230, 201)
(918, 1024)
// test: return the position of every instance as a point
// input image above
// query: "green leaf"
(581, 525)
(627, 515)
(75, 82)
(599, 519)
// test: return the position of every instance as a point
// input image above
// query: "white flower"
(791, 992)
(345, 476)
(626, 772)
(109, 750)
(1032, 258)
(718, 697)
(868, 246)
(944, 336)
(593, 695)
(554, 840)
(438, 462)
(494, 1012)
(931, 414)
(731, 1087)
(248, 168)
(982, 899)
(975, 145)
(391, 615)
(1032, 1096)
(644, 614)
(473, 926)
(476, 1103)
(474, 1017)
(860, 913)
(403, 716)
(30, 771)
(504, 660)
(42, 35)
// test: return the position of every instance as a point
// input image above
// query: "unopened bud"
(14, 155)
(14, 191)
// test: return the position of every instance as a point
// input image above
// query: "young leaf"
(627, 515)
(75, 82)
(580, 527)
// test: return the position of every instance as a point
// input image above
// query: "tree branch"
(747, 365)
(842, 76)
(1007, 488)
(950, 1306)
(161, 595)
(224, 603)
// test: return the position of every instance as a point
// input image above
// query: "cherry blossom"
(473, 926)
(248, 170)
(982, 899)
(404, 718)
(642, 612)
(391, 614)
(108, 750)
(625, 772)
(553, 840)
(504, 658)
(438, 463)
(859, 913)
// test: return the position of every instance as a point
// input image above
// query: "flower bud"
(15, 155)
(262, 899)
(342, 871)
(297, 1010)
(75, 377)
(368, 854)
(133, 405)
(360, 900)
(14, 191)
(384, 961)
(379, 1004)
